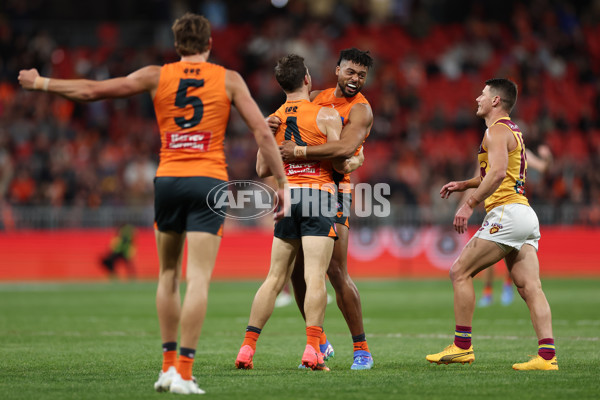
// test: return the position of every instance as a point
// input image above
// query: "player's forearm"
(472, 183)
(487, 187)
(89, 90)
(336, 149)
(261, 168)
(350, 164)
(270, 156)
(72, 89)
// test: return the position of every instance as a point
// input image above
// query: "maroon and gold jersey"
(512, 188)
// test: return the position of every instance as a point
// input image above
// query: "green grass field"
(101, 341)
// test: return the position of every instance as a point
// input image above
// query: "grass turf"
(101, 341)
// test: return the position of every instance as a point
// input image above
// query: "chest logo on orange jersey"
(307, 168)
(197, 140)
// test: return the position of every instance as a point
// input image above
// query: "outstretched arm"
(143, 80)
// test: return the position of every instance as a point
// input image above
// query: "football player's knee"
(530, 289)
(336, 266)
(335, 273)
(457, 271)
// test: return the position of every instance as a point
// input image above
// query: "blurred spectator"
(430, 57)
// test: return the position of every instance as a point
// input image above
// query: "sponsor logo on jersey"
(308, 168)
(197, 140)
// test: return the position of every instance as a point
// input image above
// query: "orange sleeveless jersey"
(343, 105)
(512, 188)
(192, 110)
(300, 125)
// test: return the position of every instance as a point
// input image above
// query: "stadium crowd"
(431, 57)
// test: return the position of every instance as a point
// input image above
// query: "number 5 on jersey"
(182, 100)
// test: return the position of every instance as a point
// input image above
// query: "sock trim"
(254, 329)
(359, 338)
(169, 346)
(187, 352)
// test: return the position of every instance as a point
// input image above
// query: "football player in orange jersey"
(310, 222)
(192, 100)
(351, 71)
(510, 230)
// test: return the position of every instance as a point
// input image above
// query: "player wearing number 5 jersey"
(192, 100)
(310, 222)
(192, 110)
(510, 230)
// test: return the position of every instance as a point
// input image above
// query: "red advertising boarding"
(373, 253)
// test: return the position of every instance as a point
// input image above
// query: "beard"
(348, 92)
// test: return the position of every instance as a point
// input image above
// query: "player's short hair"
(506, 89)
(356, 56)
(290, 72)
(192, 33)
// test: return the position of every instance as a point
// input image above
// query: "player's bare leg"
(348, 299)
(346, 293)
(202, 254)
(525, 271)
(477, 255)
(298, 283)
(282, 260)
(282, 257)
(168, 302)
(317, 253)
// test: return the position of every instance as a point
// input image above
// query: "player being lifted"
(357, 117)
(310, 222)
